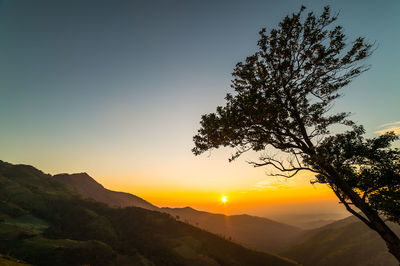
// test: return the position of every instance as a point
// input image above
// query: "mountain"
(88, 187)
(254, 232)
(344, 242)
(43, 222)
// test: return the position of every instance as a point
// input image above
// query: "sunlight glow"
(224, 199)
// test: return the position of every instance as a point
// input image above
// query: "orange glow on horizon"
(262, 195)
(240, 201)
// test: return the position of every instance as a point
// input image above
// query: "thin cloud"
(394, 126)
(390, 124)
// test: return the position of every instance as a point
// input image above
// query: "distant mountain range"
(343, 242)
(45, 222)
(254, 232)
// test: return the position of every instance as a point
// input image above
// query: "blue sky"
(117, 88)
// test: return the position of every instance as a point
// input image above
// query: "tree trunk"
(374, 221)
(377, 224)
(391, 239)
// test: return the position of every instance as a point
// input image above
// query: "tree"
(282, 100)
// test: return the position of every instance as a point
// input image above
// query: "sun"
(224, 199)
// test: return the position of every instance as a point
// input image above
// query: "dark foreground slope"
(43, 223)
(10, 261)
(253, 232)
(345, 242)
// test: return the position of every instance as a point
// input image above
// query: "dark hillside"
(345, 242)
(254, 232)
(88, 187)
(44, 223)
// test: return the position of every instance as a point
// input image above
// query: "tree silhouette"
(282, 99)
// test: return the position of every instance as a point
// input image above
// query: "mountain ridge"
(255, 232)
(258, 233)
(290, 241)
(43, 222)
(87, 186)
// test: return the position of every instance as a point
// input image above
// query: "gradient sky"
(117, 88)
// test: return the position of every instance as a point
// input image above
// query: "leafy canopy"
(370, 166)
(284, 91)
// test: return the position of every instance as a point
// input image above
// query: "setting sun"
(224, 199)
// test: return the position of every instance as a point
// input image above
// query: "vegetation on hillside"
(44, 223)
(328, 245)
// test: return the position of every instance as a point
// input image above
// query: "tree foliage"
(284, 91)
(283, 95)
(370, 166)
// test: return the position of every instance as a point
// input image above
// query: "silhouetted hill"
(254, 232)
(42, 222)
(88, 187)
(344, 242)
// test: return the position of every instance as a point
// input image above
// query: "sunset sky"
(117, 88)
